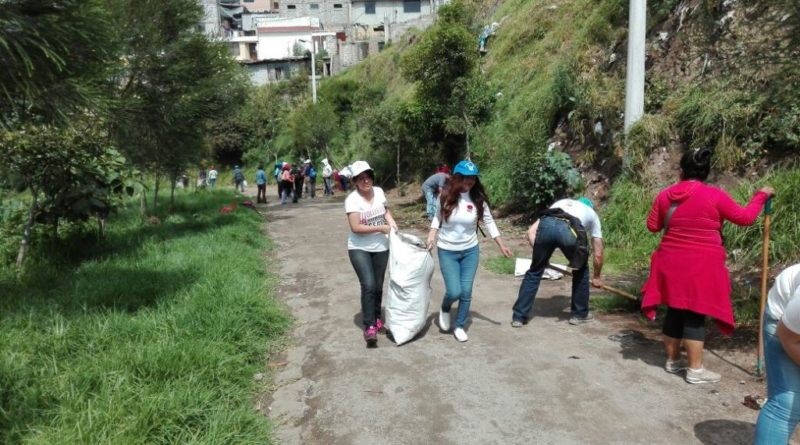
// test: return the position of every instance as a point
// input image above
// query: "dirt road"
(546, 383)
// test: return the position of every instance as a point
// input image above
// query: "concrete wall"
(332, 13)
(280, 45)
(257, 5)
(393, 11)
(263, 73)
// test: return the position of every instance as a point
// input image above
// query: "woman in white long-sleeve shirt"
(462, 204)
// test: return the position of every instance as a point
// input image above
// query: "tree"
(311, 127)
(54, 55)
(173, 80)
(449, 89)
(70, 172)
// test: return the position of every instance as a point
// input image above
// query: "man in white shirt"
(327, 172)
(568, 224)
(212, 176)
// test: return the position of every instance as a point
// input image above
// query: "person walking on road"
(779, 417)
(568, 224)
(311, 179)
(261, 183)
(238, 178)
(368, 245)
(287, 182)
(212, 176)
(687, 269)
(327, 177)
(432, 188)
(454, 231)
(277, 174)
(297, 174)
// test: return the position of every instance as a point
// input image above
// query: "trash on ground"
(754, 401)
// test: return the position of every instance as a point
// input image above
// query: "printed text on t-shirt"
(373, 217)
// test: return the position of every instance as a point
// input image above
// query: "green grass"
(152, 337)
(500, 264)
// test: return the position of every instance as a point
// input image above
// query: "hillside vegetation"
(541, 112)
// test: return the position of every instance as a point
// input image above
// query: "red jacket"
(687, 269)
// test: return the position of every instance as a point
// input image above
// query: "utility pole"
(313, 71)
(634, 82)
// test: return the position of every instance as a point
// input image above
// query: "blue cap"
(586, 201)
(466, 168)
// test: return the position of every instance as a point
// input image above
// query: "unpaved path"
(546, 383)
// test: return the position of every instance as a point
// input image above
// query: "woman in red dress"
(687, 270)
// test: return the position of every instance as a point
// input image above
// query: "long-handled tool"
(605, 287)
(764, 274)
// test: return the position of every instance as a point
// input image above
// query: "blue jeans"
(552, 233)
(780, 415)
(370, 268)
(458, 271)
(432, 201)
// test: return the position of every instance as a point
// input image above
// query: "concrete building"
(284, 38)
(272, 37)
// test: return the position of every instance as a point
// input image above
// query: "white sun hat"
(359, 167)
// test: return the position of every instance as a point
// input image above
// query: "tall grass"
(627, 241)
(153, 337)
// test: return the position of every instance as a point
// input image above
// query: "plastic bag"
(410, 273)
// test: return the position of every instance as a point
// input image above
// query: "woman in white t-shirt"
(367, 245)
(462, 204)
(780, 415)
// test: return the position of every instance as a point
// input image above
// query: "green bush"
(533, 182)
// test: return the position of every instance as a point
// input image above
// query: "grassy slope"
(155, 340)
(551, 60)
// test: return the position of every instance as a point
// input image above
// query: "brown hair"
(452, 192)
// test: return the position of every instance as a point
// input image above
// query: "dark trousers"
(262, 193)
(552, 233)
(370, 268)
(298, 189)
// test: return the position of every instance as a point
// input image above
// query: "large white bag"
(410, 272)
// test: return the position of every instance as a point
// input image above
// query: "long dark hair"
(452, 192)
(696, 164)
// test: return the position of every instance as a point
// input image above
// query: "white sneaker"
(676, 366)
(701, 375)
(444, 320)
(460, 335)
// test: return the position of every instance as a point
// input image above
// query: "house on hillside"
(380, 12)
(274, 30)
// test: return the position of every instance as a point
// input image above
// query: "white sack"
(522, 265)
(410, 273)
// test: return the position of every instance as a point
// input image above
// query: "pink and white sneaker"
(371, 336)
